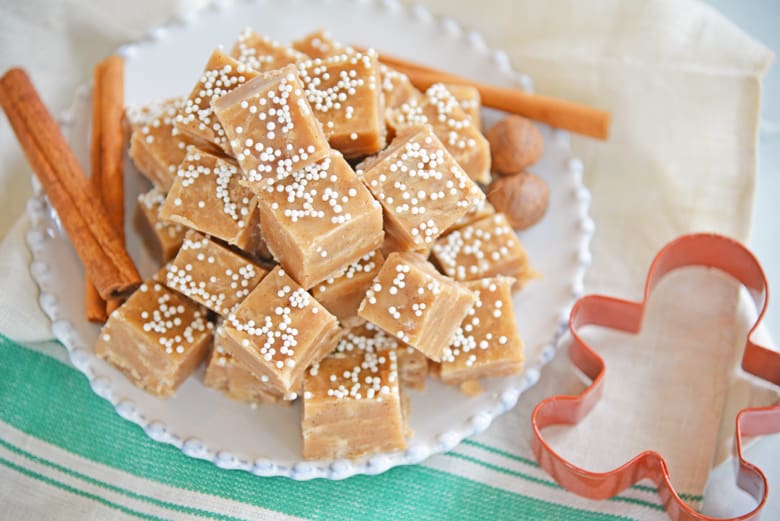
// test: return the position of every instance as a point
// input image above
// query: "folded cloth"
(683, 86)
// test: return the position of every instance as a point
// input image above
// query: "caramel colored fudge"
(412, 368)
(478, 211)
(278, 331)
(271, 127)
(319, 44)
(263, 54)
(422, 189)
(398, 89)
(452, 125)
(390, 245)
(211, 274)
(196, 119)
(352, 403)
(157, 338)
(487, 343)
(412, 301)
(160, 238)
(228, 375)
(207, 196)
(470, 101)
(341, 293)
(345, 93)
(319, 220)
(155, 147)
(484, 248)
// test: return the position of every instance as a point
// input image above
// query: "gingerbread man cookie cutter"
(706, 250)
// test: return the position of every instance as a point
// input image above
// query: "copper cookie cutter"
(707, 250)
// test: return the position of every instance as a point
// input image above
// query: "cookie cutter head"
(707, 250)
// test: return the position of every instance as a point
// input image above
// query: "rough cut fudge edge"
(164, 388)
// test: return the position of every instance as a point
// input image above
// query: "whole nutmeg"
(523, 198)
(515, 143)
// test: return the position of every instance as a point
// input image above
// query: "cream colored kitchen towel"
(683, 85)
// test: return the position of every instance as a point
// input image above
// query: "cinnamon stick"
(84, 218)
(582, 119)
(107, 164)
(94, 305)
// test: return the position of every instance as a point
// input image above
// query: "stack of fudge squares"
(322, 237)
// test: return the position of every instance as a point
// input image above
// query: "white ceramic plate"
(266, 440)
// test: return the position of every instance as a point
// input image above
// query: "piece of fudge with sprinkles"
(161, 239)
(412, 301)
(345, 93)
(342, 292)
(271, 127)
(319, 44)
(157, 338)
(484, 248)
(440, 109)
(278, 331)
(263, 54)
(469, 100)
(396, 87)
(156, 148)
(352, 401)
(319, 219)
(196, 120)
(208, 196)
(211, 274)
(487, 343)
(420, 186)
(225, 373)
(398, 90)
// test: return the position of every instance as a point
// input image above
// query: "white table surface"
(760, 19)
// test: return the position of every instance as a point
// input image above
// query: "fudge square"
(261, 53)
(278, 331)
(319, 220)
(196, 119)
(485, 248)
(487, 343)
(225, 373)
(469, 100)
(452, 125)
(412, 301)
(155, 147)
(398, 89)
(157, 338)
(271, 127)
(319, 44)
(207, 196)
(341, 293)
(352, 402)
(160, 238)
(211, 274)
(345, 92)
(421, 187)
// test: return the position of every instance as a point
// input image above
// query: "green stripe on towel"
(72, 490)
(54, 402)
